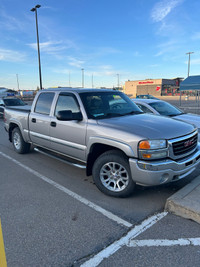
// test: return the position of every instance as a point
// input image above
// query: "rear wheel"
(20, 146)
(111, 174)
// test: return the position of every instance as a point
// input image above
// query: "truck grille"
(185, 146)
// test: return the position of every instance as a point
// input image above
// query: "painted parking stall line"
(88, 203)
(165, 242)
(124, 241)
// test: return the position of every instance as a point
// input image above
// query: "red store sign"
(146, 82)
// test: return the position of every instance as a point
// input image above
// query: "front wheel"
(20, 146)
(111, 174)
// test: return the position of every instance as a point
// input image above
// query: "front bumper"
(163, 171)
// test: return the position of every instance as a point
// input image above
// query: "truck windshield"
(101, 105)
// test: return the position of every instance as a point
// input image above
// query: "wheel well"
(11, 128)
(95, 151)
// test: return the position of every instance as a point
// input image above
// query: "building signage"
(148, 82)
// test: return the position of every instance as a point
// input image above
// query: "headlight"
(152, 144)
(153, 149)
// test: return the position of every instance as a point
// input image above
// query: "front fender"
(127, 149)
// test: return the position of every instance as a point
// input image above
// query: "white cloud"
(10, 23)
(163, 8)
(154, 65)
(75, 62)
(136, 54)
(102, 71)
(11, 55)
(166, 47)
(49, 47)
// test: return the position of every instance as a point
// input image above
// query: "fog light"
(147, 166)
(164, 178)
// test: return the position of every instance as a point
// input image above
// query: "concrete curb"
(186, 202)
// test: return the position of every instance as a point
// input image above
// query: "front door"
(68, 137)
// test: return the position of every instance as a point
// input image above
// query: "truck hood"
(149, 126)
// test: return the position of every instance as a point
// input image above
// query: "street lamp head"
(34, 8)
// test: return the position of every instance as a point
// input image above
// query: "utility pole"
(118, 81)
(82, 78)
(17, 82)
(92, 82)
(69, 80)
(189, 53)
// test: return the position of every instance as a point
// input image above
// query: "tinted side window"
(44, 102)
(67, 102)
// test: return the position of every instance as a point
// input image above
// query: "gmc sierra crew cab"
(119, 145)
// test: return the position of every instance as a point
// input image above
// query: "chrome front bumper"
(164, 171)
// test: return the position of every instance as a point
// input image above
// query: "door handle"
(53, 124)
(33, 120)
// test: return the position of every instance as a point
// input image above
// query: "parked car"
(103, 129)
(163, 108)
(10, 102)
(147, 97)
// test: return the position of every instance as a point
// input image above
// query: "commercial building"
(155, 87)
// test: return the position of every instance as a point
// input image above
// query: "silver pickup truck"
(119, 145)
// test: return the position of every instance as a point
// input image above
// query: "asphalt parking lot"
(53, 215)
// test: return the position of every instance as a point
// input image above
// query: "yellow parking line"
(2, 250)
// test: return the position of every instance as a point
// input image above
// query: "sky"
(107, 42)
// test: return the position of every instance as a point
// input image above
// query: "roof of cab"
(78, 90)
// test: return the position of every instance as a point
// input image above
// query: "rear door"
(39, 120)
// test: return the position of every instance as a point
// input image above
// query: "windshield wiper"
(132, 113)
(110, 115)
(113, 114)
(173, 115)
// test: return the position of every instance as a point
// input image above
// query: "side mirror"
(67, 115)
(77, 116)
(2, 105)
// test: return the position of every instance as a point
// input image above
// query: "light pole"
(34, 9)
(17, 82)
(82, 78)
(189, 53)
(118, 81)
(92, 81)
(69, 80)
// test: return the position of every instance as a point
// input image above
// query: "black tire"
(111, 174)
(20, 146)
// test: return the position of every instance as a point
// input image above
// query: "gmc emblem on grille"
(189, 142)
